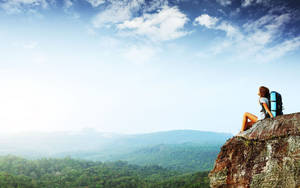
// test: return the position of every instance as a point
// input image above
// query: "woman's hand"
(267, 109)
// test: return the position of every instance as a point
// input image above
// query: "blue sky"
(138, 66)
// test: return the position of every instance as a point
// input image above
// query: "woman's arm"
(267, 109)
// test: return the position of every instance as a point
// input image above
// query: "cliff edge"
(267, 155)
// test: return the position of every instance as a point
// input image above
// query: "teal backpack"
(276, 103)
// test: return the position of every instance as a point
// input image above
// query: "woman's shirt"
(261, 113)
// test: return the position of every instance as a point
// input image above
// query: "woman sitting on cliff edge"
(264, 101)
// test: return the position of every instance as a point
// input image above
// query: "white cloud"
(267, 28)
(246, 3)
(259, 40)
(260, 37)
(268, 22)
(214, 23)
(117, 12)
(96, 3)
(224, 2)
(17, 6)
(230, 30)
(154, 5)
(206, 20)
(279, 50)
(166, 24)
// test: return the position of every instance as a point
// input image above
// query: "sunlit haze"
(138, 66)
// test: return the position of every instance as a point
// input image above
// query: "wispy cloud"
(231, 31)
(214, 23)
(166, 24)
(69, 10)
(246, 3)
(224, 2)
(279, 50)
(269, 23)
(18, 6)
(96, 3)
(117, 12)
(260, 40)
(154, 5)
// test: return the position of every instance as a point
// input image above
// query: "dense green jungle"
(17, 172)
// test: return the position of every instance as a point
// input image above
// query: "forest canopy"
(17, 172)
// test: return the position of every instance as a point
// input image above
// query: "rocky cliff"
(267, 155)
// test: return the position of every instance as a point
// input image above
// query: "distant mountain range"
(185, 150)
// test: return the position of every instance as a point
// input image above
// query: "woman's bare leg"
(249, 124)
(245, 124)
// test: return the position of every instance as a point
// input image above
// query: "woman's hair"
(264, 92)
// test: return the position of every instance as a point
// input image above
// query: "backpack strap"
(267, 115)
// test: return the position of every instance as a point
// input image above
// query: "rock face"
(267, 155)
